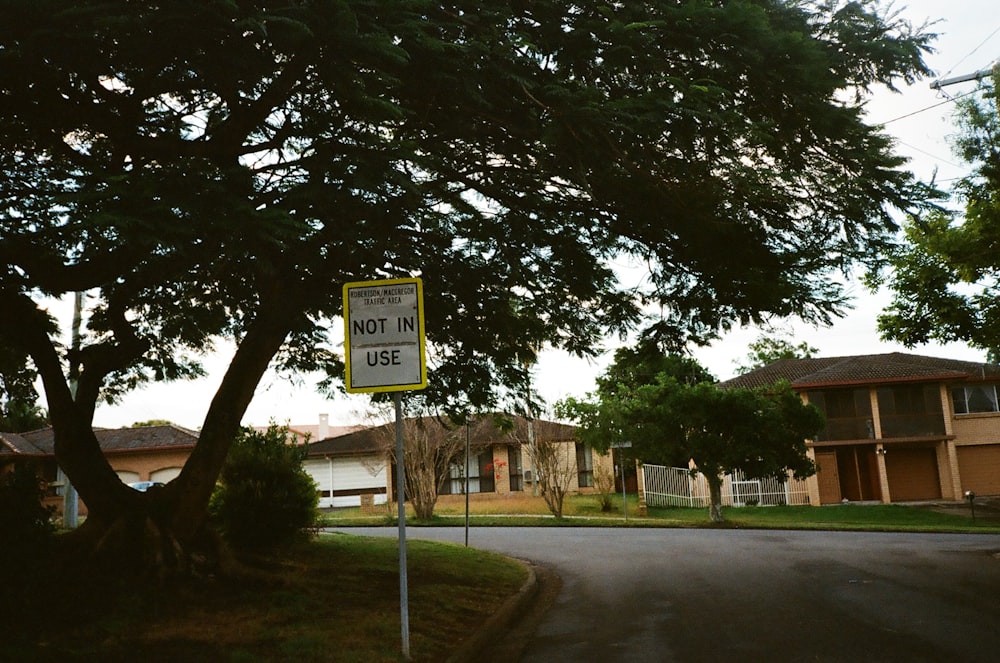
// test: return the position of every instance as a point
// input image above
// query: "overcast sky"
(919, 117)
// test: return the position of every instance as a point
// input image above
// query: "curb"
(500, 621)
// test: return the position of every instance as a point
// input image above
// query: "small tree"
(604, 482)
(769, 349)
(761, 432)
(430, 446)
(555, 471)
(264, 497)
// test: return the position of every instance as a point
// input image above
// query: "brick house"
(148, 453)
(899, 427)
(355, 466)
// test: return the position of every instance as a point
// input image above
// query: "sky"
(920, 119)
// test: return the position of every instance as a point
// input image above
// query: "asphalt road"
(682, 595)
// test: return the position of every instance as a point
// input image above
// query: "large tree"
(207, 169)
(761, 432)
(946, 276)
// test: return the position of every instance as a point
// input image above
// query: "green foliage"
(218, 170)
(19, 409)
(603, 414)
(946, 276)
(226, 160)
(635, 366)
(264, 497)
(25, 523)
(769, 349)
(152, 422)
(761, 432)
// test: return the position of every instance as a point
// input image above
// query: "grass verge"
(336, 598)
(583, 511)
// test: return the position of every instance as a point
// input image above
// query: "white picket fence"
(675, 486)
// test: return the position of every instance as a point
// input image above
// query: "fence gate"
(675, 486)
(746, 493)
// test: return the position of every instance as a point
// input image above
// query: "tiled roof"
(484, 432)
(865, 369)
(301, 432)
(118, 440)
(13, 444)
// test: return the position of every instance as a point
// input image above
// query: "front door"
(828, 477)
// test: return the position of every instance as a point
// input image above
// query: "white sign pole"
(404, 593)
(384, 351)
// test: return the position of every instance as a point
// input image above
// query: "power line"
(972, 52)
(949, 100)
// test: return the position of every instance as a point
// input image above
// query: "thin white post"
(404, 600)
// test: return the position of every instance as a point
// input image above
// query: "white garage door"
(127, 477)
(166, 475)
(342, 481)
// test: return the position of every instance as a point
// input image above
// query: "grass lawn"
(583, 510)
(336, 598)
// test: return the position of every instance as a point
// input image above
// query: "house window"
(585, 466)
(480, 473)
(516, 469)
(487, 482)
(977, 398)
(848, 414)
(911, 411)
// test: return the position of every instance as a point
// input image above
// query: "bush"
(604, 482)
(25, 524)
(264, 497)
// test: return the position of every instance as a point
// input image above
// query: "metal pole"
(621, 465)
(71, 501)
(404, 600)
(468, 435)
(975, 76)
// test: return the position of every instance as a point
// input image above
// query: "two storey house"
(899, 427)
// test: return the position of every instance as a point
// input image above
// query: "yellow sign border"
(420, 335)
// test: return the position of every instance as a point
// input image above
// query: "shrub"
(264, 497)
(604, 482)
(25, 523)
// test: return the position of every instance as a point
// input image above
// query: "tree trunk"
(161, 531)
(715, 498)
(194, 486)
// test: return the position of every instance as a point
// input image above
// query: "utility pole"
(975, 76)
(71, 501)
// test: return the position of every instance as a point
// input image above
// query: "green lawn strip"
(336, 598)
(582, 511)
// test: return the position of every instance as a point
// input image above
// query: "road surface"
(691, 595)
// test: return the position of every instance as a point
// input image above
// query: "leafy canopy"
(218, 169)
(668, 421)
(945, 278)
(202, 168)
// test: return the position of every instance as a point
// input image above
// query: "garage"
(341, 481)
(979, 468)
(912, 473)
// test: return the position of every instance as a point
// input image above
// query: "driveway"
(747, 595)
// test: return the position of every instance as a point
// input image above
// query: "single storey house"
(899, 427)
(147, 453)
(356, 467)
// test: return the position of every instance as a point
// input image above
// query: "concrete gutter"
(506, 633)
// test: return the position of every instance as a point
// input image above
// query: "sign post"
(384, 351)
(621, 464)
